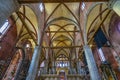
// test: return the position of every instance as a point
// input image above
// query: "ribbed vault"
(64, 26)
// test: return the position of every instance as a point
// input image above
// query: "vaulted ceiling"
(65, 24)
(57, 1)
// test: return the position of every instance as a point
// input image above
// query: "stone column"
(46, 67)
(7, 7)
(53, 67)
(78, 67)
(94, 74)
(53, 64)
(34, 64)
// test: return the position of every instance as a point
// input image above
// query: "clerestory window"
(83, 6)
(4, 28)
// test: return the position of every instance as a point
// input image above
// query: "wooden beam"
(57, 1)
(56, 47)
(63, 60)
(60, 31)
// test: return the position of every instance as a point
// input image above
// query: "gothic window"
(4, 28)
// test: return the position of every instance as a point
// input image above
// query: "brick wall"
(7, 44)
